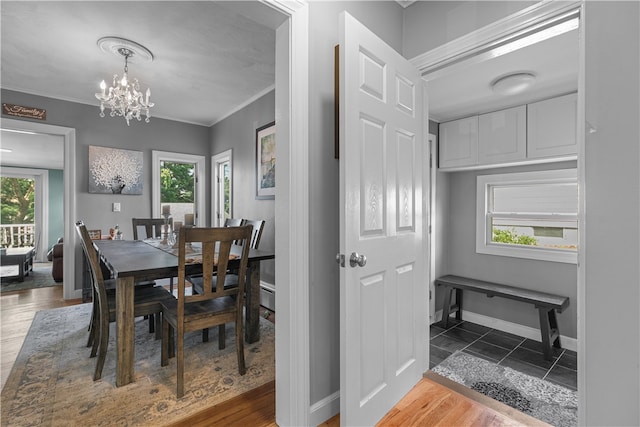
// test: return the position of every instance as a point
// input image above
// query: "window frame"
(167, 156)
(484, 231)
(216, 203)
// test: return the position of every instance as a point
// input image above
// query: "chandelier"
(124, 97)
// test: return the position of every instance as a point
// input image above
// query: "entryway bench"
(547, 304)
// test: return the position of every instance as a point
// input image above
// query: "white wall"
(611, 270)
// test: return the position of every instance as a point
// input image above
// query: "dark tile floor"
(522, 354)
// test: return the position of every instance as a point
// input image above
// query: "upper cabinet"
(552, 127)
(461, 148)
(544, 131)
(502, 136)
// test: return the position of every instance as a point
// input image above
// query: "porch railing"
(17, 235)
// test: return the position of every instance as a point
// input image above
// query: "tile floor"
(522, 354)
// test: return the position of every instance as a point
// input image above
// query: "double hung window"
(528, 215)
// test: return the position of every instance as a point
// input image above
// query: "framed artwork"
(266, 161)
(114, 171)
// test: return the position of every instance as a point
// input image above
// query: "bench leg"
(446, 306)
(549, 330)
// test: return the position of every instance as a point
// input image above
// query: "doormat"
(541, 399)
(51, 383)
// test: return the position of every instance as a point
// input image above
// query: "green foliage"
(178, 182)
(511, 237)
(17, 200)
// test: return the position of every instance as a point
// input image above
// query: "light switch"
(116, 207)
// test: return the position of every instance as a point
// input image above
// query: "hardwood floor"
(431, 402)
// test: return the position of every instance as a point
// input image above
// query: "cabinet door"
(552, 127)
(459, 143)
(502, 136)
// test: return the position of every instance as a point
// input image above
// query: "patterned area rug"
(51, 383)
(541, 399)
(40, 277)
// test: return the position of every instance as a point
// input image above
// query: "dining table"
(132, 261)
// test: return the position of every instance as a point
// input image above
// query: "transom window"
(528, 215)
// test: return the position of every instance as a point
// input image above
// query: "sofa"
(55, 256)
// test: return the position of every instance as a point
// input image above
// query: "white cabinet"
(502, 136)
(459, 143)
(552, 127)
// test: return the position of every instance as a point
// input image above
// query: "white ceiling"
(465, 88)
(210, 58)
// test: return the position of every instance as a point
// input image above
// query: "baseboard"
(324, 409)
(512, 328)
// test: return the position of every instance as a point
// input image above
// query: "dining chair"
(151, 227)
(147, 301)
(232, 222)
(216, 306)
(95, 234)
(258, 226)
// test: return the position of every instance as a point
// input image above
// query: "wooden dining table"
(132, 261)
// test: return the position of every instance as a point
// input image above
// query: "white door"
(384, 320)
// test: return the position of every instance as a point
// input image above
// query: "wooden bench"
(547, 304)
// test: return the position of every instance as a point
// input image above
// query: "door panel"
(383, 302)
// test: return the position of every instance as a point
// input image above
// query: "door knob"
(357, 260)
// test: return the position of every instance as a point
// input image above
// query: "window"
(528, 215)
(178, 181)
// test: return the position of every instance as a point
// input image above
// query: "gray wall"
(429, 24)
(385, 19)
(460, 247)
(91, 129)
(238, 132)
(611, 390)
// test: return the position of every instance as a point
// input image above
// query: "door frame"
(511, 28)
(69, 176)
(41, 203)
(292, 214)
(216, 160)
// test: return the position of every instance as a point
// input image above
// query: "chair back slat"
(151, 227)
(233, 222)
(217, 244)
(258, 226)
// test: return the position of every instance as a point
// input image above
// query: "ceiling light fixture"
(124, 97)
(512, 84)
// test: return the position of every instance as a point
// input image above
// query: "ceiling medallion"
(124, 97)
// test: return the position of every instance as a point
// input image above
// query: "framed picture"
(266, 161)
(114, 171)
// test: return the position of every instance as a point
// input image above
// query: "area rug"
(541, 399)
(51, 383)
(40, 277)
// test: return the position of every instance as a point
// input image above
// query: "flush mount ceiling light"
(124, 97)
(512, 84)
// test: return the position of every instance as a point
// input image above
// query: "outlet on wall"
(116, 207)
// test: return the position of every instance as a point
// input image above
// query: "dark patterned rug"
(40, 277)
(51, 383)
(541, 399)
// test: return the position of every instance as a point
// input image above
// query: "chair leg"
(205, 335)
(102, 349)
(222, 337)
(164, 354)
(93, 322)
(240, 344)
(152, 323)
(180, 364)
(158, 327)
(95, 335)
